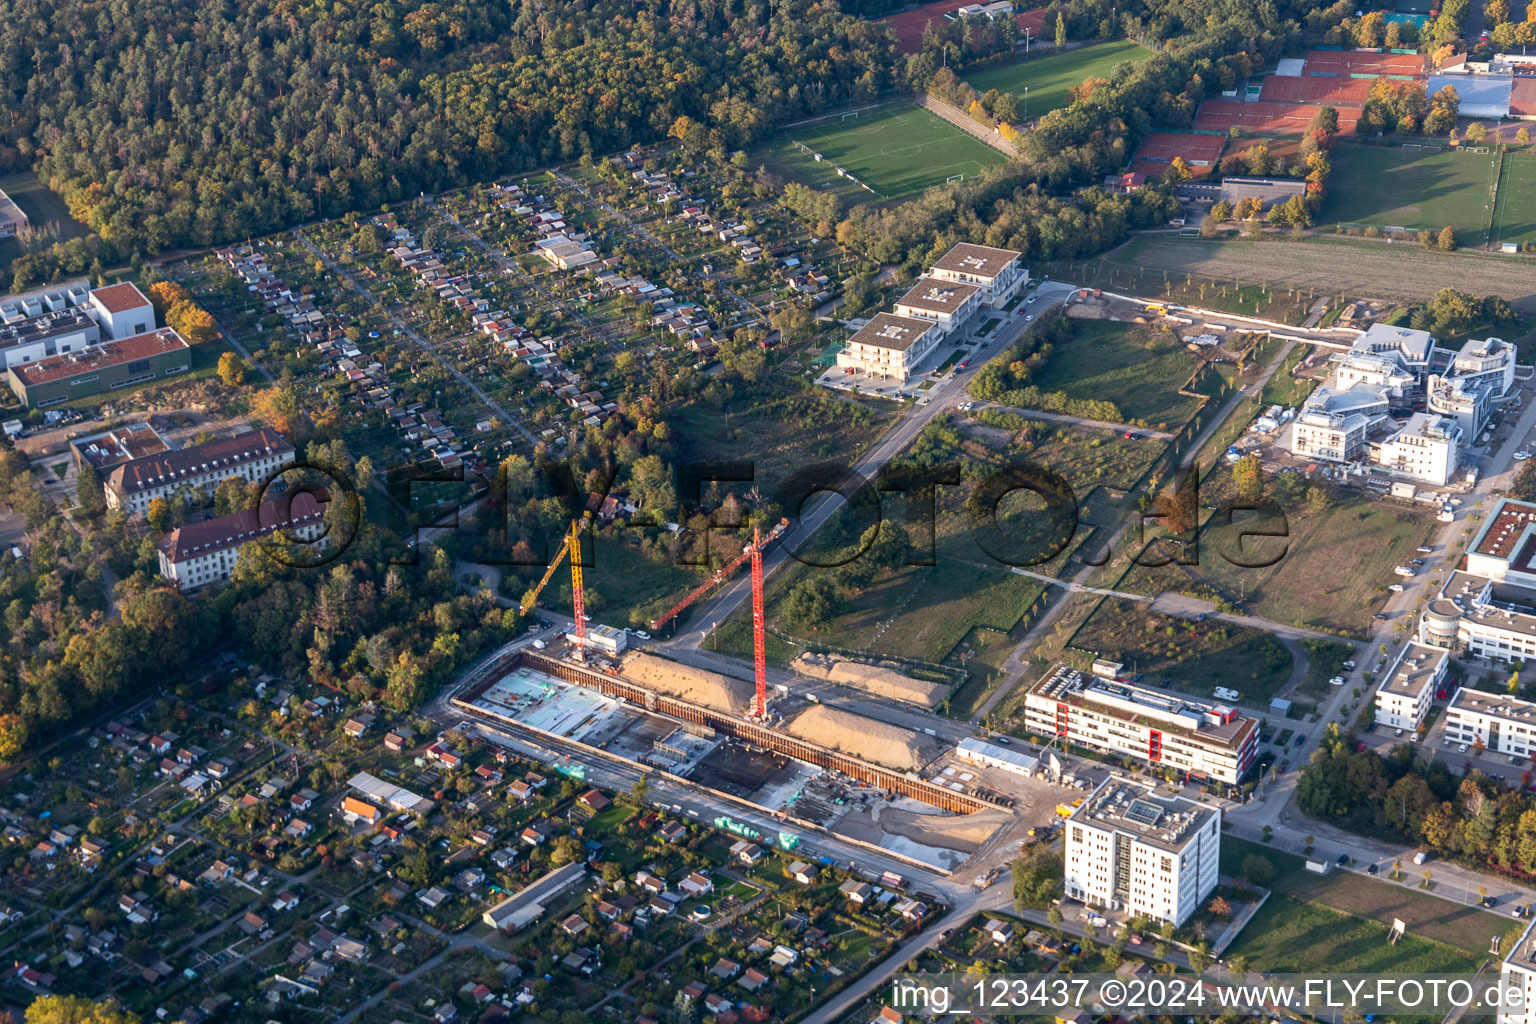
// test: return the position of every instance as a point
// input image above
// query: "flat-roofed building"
(96, 369)
(1519, 972)
(13, 220)
(1128, 848)
(1404, 699)
(198, 554)
(1491, 360)
(1468, 401)
(998, 273)
(254, 455)
(1334, 423)
(890, 346)
(527, 904)
(1498, 722)
(1197, 738)
(1426, 448)
(1488, 608)
(49, 333)
(122, 310)
(949, 304)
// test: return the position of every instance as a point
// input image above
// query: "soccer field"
(1049, 79)
(1514, 216)
(897, 151)
(1411, 188)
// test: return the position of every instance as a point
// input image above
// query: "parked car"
(1372, 869)
(1462, 749)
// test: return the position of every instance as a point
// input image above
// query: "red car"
(964, 363)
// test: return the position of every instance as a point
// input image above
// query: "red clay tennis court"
(909, 25)
(1348, 62)
(1266, 118)
(1197, 150)
(1321, 91)
(1034, 21)
(1522, 97)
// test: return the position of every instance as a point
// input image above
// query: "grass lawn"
(1339, 922)
(1411, 188)
(629, 585)
(1138, 370)
(1284, 389)
(779, 436)
(1181, 654)
(898, 151)
(1050, 78)
(1304, 586)
(1514, 217)
(41, 207)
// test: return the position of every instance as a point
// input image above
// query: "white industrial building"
(1404, 699)
(1130, 849)
(1500, 723)
(69, 318)
(1426, 448)
(1100, 712)
(13, 219)
(1488, 608)
(1388, 373)
(993, 755)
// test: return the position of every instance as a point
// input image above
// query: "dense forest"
(200, 121)
(1413, 798)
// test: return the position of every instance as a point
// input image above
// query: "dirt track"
(1340, 265)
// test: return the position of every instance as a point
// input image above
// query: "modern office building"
(1499, 723)
(96, 369)
(1404, 699)
(1197, 738)
(1128, 848)
(1427, 448)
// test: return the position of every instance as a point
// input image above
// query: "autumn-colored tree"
(1447, 239)
(1523, 135)
(279, 406)
(159, 514)
(1247, 477)
(164, 295)
(231, 370)
(13, 736)
(192, 322)
(1178, 170)
(75, 1010)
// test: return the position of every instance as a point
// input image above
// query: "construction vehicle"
(571, 547)
(754, 552)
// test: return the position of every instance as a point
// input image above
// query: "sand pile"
(875, 679)
(698, 685)
(863, 738)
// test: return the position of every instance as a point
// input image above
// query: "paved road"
(418, 340)
(937, 401)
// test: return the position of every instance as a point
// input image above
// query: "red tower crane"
(722, 574)
(759, 647)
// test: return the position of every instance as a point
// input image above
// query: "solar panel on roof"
(1144, 812)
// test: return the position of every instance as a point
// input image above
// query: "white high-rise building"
(1128, 848)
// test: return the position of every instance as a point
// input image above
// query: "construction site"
(809, 765)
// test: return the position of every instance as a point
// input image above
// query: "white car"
(1336, 681)
(642, 634)
(1461, 749)
(1522, 456)
(1032, 298)
(1027, 319)
(1396, 588)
